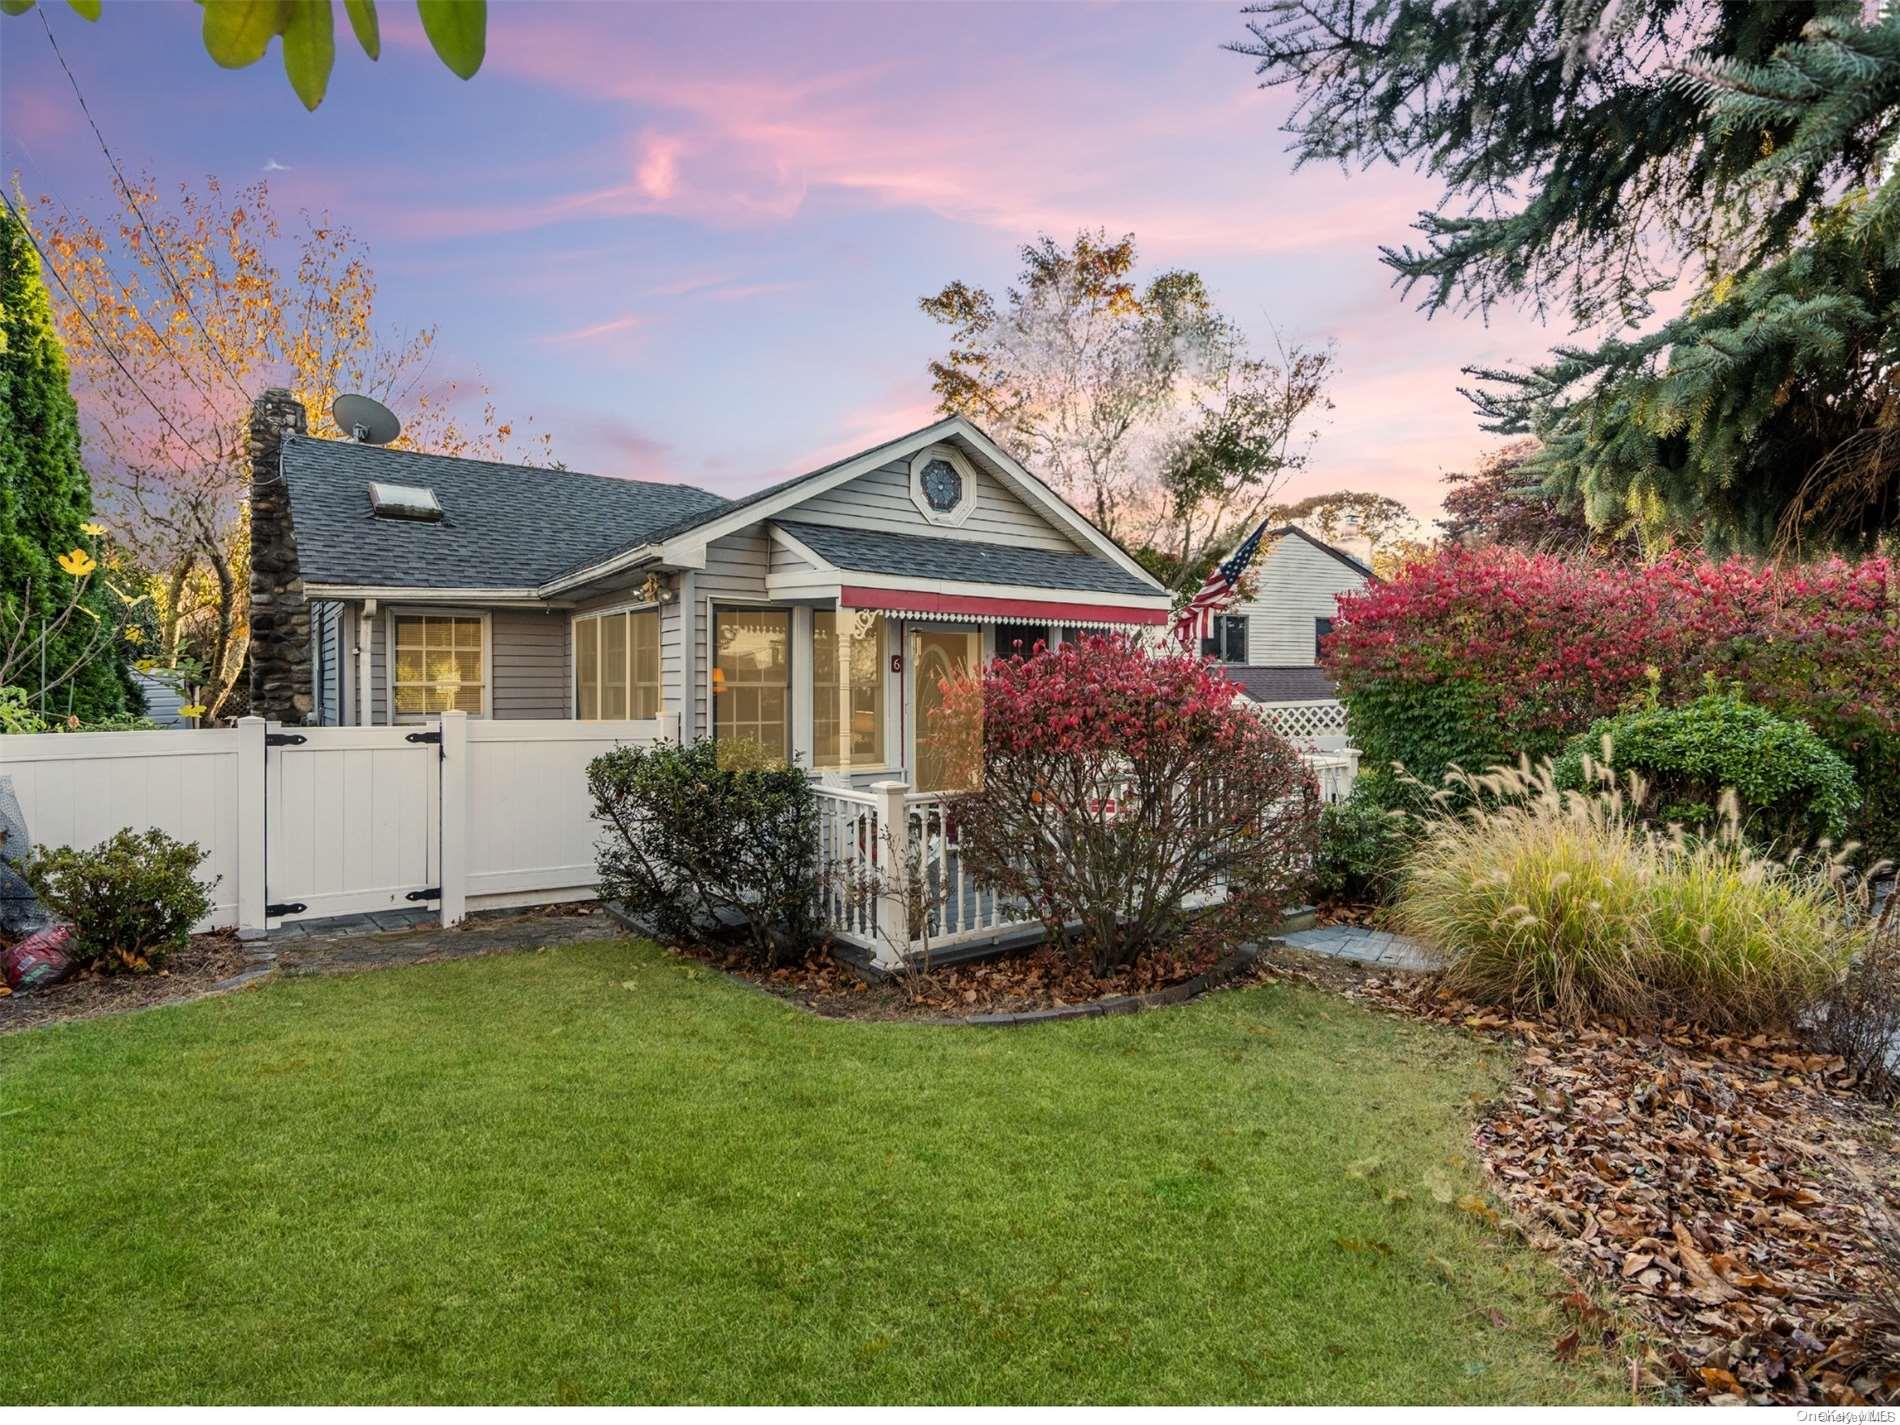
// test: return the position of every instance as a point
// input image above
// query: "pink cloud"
(598, 330)
(657, 168)
(1006, 141)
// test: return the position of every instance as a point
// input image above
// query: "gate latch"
(435, 737)
(284, 739)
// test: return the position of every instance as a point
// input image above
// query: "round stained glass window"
(942, 486)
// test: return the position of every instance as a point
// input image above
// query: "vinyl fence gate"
(352, 821)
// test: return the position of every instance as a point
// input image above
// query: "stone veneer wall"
(280, 617)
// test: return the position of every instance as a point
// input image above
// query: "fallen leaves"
(1704, 1181)
(1037, 978)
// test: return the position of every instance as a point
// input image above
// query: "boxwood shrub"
(1792, 787)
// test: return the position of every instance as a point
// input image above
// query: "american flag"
(1197, 618)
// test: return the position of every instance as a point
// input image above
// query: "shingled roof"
(928, 557)
(1298, 683)
(502, 526)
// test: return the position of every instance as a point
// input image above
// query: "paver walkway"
(369, 942)
(1367, 947)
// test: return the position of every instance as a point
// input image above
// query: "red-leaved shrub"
(1127, 798)
(1481, 654)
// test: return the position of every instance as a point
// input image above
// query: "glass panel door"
(937, 654)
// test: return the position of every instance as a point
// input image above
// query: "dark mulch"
(190, 973)
(1010, 983)
(1721, 1187)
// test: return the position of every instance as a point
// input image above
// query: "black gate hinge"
(286, 907)
(427, 893)
(435, 737)
(284, 739)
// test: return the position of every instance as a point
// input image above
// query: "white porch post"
(669, 727)
(453, 867)
(251, 773)
(893, 906)
(801, 687)
(365, 635)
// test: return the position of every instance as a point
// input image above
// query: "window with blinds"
(617, 665)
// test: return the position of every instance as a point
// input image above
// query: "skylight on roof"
(403, 502)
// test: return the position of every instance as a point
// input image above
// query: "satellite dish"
(367, 422)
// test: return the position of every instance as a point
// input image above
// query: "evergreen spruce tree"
(45, 496)
(1594, 153)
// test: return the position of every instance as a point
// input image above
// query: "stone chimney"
(280, 619)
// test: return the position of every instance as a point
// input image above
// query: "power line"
(126, 190)
(107, 346)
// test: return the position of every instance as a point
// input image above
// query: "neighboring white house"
(1270, 643)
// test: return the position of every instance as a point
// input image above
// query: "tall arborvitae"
(44, 494)
(1596, 152)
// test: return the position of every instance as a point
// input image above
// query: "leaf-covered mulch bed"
(1721, 1187)
(1010, 983)
(189, 973)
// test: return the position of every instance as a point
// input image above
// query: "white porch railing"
(865, 837)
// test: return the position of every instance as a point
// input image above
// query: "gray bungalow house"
(814, 617)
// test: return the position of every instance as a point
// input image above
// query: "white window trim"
(709, 640)
(887, 625)
(389, 658)
(634, 606)
(960, 463)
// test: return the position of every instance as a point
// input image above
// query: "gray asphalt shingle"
(503, 526)
(1293, 684)
(929, 557)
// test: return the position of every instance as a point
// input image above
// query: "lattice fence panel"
(1307, 722)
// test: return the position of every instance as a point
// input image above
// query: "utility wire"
(126, 190)
(107, 346)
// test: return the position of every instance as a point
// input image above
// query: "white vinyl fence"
(299, 823)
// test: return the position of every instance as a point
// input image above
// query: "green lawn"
(597, 1174)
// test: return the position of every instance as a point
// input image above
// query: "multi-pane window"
(1321, 627)
(1230, 638)
(752, 677)
(847, 688)
(438, 664)
(617, 665)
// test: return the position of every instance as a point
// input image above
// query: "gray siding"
(529, 651)
(326, 662)
(161, 702)
(1297, 584)
(786, 562)
(528, 657)
(881, 500)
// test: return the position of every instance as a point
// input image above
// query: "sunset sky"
(690, 241)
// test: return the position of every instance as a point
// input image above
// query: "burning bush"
(1126, 798)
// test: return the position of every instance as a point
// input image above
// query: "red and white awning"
(981, 608)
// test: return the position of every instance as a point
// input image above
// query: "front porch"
(937, 911)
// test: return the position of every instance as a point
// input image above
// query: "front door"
(936, 654)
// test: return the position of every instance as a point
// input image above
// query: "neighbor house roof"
(1300, 683)
(867, 551)
(502, 526)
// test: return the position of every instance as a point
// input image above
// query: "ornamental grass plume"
(1540, 899)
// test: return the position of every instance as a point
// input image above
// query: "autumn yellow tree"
(176, 308)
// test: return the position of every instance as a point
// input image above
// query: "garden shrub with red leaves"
(1120, 791)
(1480, 655)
